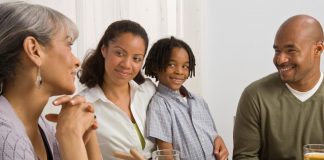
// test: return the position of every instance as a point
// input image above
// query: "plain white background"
(238, 40)
(232, 40)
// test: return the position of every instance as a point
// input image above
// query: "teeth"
(123, 73)
(284, 69)
(177, 80)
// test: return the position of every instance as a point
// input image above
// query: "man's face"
(294, 56)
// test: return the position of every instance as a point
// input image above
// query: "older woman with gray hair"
(36, 63)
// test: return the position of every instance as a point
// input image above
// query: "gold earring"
(38, 78)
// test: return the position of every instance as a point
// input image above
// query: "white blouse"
(116, 131)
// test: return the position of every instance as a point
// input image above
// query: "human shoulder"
(5, 124)
(13, 143)
(85, 90)
(195, 96)
(148, 86)
(159, 98)
(92, 94)
(264, 90)
(160, 101)
(268, 83)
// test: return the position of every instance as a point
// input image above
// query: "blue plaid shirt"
(188, 125)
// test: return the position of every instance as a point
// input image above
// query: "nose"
(126, 62)
(280, 58)
(179, 70)
(76, 61)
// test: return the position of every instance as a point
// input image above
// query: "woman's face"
(59, 67)
(123, 58)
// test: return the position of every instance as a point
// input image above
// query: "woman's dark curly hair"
(93, 66)
(159, 56)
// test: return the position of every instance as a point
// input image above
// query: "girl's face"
(123, 58)
(177, 71)
(60, 65)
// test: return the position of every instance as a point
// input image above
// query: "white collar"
(303, 96)
(96, 93)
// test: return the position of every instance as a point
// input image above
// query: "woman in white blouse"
(117, 89)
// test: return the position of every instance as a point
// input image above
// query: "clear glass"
(314, 152)
(166, 154)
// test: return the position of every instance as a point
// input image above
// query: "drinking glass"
(314, 152)
(166, 154)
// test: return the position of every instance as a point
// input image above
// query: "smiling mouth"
(284, 69)
(177, 80)
(124, 74)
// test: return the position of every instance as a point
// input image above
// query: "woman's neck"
(120, 96)
(27, 101)
(112, 90)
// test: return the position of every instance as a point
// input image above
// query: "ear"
(32, 49)
(319, 47)
(103, 51)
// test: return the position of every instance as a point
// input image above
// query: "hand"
(76, 116)
(220, 149)
(134, 155)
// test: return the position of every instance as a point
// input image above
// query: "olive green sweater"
(272, 124)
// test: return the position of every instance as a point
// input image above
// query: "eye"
(291, 51)
(119, 53)
(277, 51)
(69, 45)
(171, 65)
(186, 66)
(138, 59)
(69, 41)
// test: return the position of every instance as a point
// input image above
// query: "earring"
(38, 78)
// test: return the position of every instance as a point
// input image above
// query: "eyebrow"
(171, 60)
(127, 52)
(121, 48)
(285, 46)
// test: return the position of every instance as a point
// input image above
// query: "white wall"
(237, 49)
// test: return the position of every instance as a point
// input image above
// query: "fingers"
(217, 145)
(52, 117)
(223, 154)
(89, 108)
(136, 155)
(123, 155)
(67, 99)
(73, 101)
(220, 150)
(94, 125)
(60, 100)
(87, 135)
(76, 114)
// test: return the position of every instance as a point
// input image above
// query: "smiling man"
(280, 113)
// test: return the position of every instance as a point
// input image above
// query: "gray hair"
(19, 20)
